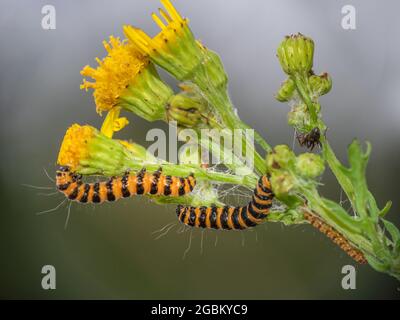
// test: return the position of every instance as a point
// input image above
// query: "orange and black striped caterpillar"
(71, 184)
(229, 217)
(336, 237)
(254, 213)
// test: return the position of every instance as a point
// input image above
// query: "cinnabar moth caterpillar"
(129, 184)
(336, 237)
(229, 217)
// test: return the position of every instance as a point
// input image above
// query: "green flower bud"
(285, 92)
(296, 53)
(320, 84)
(282, 184)
(187, 109)
(309, 165)
(280, 158)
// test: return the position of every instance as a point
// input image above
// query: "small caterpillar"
(229, 217)
(115, 188)
(336, 237)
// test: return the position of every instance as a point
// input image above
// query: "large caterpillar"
(336, 237)
(254, 213)
(230, 217)
(115, 188)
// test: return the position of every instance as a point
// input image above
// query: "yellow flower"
(87, 151)
(74, 147)
(174, 48)
(114, 73)
(173, 28)
(126, 78)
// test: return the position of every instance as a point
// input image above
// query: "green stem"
(301, 83)
(223, 105)
(182, 170)
(259, 162)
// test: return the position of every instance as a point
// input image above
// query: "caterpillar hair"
(229, 217)
(336, 237)
(71, 184)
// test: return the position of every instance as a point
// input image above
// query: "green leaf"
(376, 264)
(356, 172)
(393, 231)
(386, 209)
(341, 217)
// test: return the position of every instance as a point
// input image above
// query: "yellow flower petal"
(112, 123)
(120, 123)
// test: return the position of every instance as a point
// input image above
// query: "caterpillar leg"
(128, 185)
(229, 217)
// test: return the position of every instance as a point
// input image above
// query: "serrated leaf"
(358, 158)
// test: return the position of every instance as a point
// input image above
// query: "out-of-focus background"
(109, 251)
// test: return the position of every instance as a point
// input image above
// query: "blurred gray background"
(108, 251)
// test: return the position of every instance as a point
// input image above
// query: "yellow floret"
(74, 147)
(114, 73)
(171, 29)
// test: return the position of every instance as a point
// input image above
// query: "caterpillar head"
(64, 175)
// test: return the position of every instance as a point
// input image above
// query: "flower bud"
(296, 53)
(280, 158)
(282, 183)
(309, 165)
(320, 84)
(286, 91)
(187, 109)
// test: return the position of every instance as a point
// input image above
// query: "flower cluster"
(127, 80)
(289, 172)
(296, 53)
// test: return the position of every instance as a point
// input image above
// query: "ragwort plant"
(126, 80)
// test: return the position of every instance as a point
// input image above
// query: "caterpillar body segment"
(115, 188)
(229, 217)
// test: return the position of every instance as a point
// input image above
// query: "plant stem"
(301, 83)
(224, 107)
